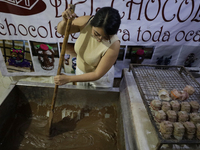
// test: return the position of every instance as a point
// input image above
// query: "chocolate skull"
(45, 56)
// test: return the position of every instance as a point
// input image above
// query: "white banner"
(155, 23)
(144, 22)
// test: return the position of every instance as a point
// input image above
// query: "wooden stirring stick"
(65, 40)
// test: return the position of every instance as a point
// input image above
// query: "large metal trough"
(34, 99)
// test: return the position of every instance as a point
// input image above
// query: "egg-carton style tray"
(152, 78)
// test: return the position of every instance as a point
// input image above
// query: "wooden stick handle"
(65, 40)
(66, 36)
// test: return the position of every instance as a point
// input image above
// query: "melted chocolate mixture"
(73, 128)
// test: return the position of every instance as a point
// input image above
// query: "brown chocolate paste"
(73, 128)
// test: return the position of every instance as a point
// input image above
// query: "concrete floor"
(4, 85)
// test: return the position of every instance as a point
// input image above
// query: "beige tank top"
(89, 50)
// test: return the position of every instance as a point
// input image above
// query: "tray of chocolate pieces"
(172, 98)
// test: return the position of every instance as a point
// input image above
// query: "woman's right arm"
(77, 24)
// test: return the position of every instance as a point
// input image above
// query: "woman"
(97, 47)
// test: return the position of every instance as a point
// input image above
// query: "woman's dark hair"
(107, 18)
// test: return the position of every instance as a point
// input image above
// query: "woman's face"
(99, 35)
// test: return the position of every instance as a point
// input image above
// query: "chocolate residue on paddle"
(73, 128)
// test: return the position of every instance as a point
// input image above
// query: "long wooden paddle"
(65, 40)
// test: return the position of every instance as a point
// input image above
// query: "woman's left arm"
(103, 67)
(108, 59)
